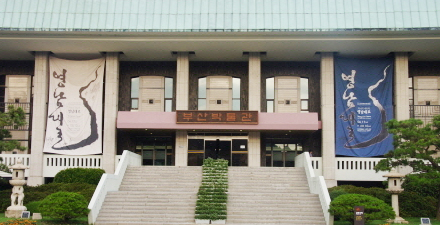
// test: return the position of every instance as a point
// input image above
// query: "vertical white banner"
(74, 118)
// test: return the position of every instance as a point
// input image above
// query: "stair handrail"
(317, 185)
(111, 182)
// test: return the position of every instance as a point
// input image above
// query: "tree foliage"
(12, 117)
(415, 144)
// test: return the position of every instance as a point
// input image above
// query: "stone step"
(146, 218)
(129, 188)
(270, 205)
(149, 204)
(152, 197)
(129, 215)
(154, 200)
(272, 212)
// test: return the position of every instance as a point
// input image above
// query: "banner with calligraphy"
(364, 103)
(74, 117)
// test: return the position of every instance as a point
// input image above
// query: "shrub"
(4, 184)
(425, 184)
(5, 199)
(38, 193)
(33, 207)
(376, 192)
(79, 175)
(374, 208)
(336, 193)
(412, 204)
(64, 206)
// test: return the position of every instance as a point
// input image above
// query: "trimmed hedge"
(376, 192)
(412, 204)
(425, 184)
(374, 208)
(38, 193)
(79, 175)
(64, 206)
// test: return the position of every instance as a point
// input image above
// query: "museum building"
(253, 82)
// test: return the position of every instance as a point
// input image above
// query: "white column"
(181, 148)
(182, 98)
(328, 118)
(182, 88)
(401, 85)
(110, 111)
(255, 81)
(254, 149)
(39, 115)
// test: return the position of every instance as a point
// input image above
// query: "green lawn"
(47, 221)
(411, 220)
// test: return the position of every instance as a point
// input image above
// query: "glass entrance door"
(233, 149)
(155, 151)
(218, 149)
(282, 155)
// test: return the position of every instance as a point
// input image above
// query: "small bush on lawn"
(79, 175)
(375, 209)
(33, 207)
(20, 222)
(64, 206)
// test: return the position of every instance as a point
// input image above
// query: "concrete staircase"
(153, 195)
(167, 195)
(270, 195)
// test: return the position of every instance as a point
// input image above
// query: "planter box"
(202, 221)
(218, 221)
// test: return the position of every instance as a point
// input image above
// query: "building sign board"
(229, 117)
(359, 218)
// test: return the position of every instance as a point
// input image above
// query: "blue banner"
(364, 103)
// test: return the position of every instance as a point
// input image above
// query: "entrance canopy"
(267, 121)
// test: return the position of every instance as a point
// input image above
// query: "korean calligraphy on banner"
(364, 103)
(239, 117)
(74, 115)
